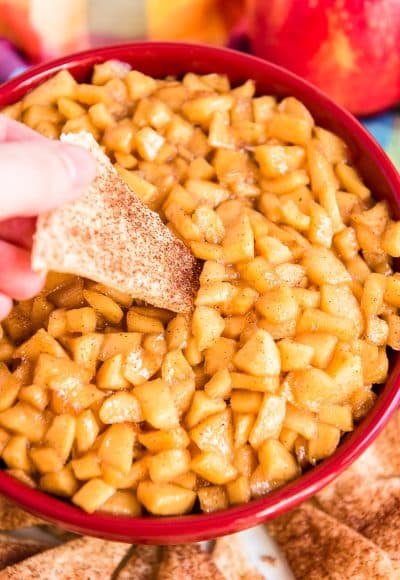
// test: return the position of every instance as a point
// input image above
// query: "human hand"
(36, 175)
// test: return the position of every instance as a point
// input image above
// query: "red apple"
(348, 48)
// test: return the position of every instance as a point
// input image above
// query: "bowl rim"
(194, 527)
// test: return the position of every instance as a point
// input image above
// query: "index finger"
(11, 130)
(38, 176)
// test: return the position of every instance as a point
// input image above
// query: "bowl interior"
(160, 60)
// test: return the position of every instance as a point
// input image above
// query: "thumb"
(37, 176)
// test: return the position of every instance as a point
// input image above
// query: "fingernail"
(80, 164)
(5, 306)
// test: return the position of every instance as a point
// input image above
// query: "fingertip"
(11, 130)
(16, 276)
(40, 176)
(28, 286)
(80, 164)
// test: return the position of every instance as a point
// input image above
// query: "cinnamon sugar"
(187, 562)
(318, 546)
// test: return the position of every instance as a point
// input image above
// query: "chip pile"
(350, 529)
(68, 556)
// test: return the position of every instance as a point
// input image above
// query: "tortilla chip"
(372, 509)
(13, 550)
(231, 561)
(86, 558)
(12, 517)
(141, 565)
(187, 562)
(384, 453)
(380, 460)
(111, 237)
(318, 546)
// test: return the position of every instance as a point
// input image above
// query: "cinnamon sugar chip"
(12, 517)
(141, 565)
(187, 562)
(111, 237)
(13, 550)
(317, 546)
(86, 558)
(231, 561)
(373, 509)
(366, 496)
(383, 456)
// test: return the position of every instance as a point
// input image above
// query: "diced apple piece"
(312, 388)
(122, 503)
(81, 320)
(110, 375)
(61, 435)
(213, 467)
(9, 388)
(92, 495)
(40, 342)
(278, 305)
(62, 483)
(140, 365)
(259, 355)
(116, 447)
(346, 372)
(243, 423)
(87, 467)
(87, 429)
(238, 242)
(238, 490)
(220, 385)
(24, 419)
(85, 349)
(60, 373)
(119, 343)
(323, 346)
(167, 465)
(294, 355)
(104, 305)
(119, 408)
(269, 420)
(252, 383)
(202, 406)
(212, 498)
(219, 355)
(324, 444)
(276, 461)
(207, 326)
(340, 301)
(323, 267)
(46, 459)
(215, 433)
(339, 416)
(156, 441)
(316, 321)
(165, 499)
(157, 404)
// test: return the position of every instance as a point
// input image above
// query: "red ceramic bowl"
(159, 60)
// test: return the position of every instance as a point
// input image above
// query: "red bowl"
(159, 60)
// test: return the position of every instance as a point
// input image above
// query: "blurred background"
(48, 28)
(348, 48)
